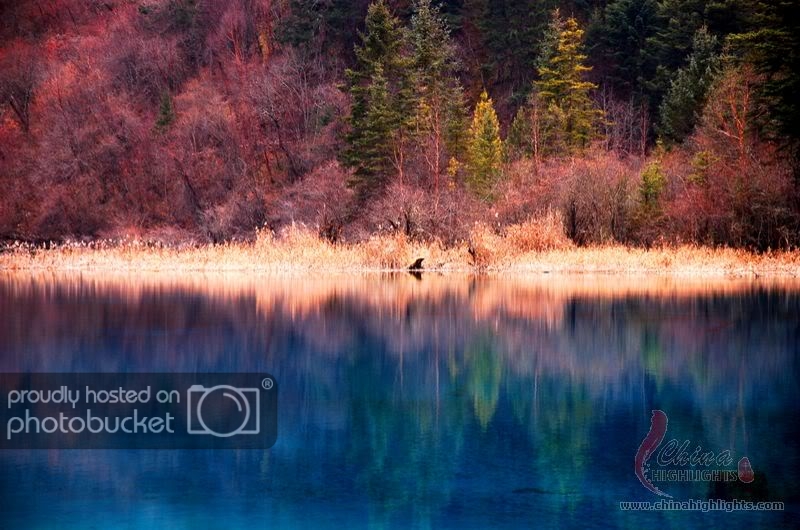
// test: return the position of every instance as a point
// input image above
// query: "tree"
(381, 100)
(374, 141)
(771, 45)
(436, 89)
(166, 114)
(686, 97)
(319, 26)
(652, 185)
(627, 48)
(485, 148)
(456, 129)
(511, 31)
(561, 85)
(518, 142)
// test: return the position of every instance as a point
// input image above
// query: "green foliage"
(437, 93)
(561, 87)
(551, 36)
(678, 24)
(518, 142)
(627, 44)
(456, 125)
(686, 97)
(771, 44)
(433, 53)
(166, 114)
(652, 185)
(511, 31)
(320, 25)
(379, 86)
(702, 162)
(374, 141)
(485, 151)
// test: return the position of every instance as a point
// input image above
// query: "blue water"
(440, 403)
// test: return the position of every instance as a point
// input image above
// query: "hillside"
(630, 121)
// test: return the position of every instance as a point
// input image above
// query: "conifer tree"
(771, 43)
(628, 46)
(518, 143)
(456, 127)
(686, 97)
(381, 102)
(561, 85)
(375, 137)
(166, 114)
(485, 148)
(439, 105)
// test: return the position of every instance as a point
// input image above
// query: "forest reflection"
(406, 391)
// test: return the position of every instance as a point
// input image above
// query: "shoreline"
(305, 253)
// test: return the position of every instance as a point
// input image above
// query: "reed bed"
(536, 246)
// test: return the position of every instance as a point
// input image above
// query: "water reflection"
(450, 401)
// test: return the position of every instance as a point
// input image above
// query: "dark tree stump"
(417, 265)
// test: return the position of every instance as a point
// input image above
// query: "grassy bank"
(517, 249)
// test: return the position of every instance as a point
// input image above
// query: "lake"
(433, 402)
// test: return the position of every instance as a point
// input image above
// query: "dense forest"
(635, 121)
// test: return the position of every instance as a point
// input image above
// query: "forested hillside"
(636, 121)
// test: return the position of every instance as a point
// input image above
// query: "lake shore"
(302, 251)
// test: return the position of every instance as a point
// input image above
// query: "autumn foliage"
(196, 120)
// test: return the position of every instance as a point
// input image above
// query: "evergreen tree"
(686, 97)
(456, 126)
(679, 22)
(511, 32)
(381, 102)
(561, 85)
(439, 105)
(549, 45)
(166, 114)
(485, 148)
(652, 186)
(771, 43)
(319, 26)
(518, 142)
(627, 47)
(374, 141)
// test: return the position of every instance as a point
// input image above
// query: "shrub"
(545, 232)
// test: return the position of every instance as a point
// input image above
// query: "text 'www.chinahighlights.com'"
(700, 505)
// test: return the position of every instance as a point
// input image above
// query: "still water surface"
(445, 402)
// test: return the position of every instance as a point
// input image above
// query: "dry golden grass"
(536, 246)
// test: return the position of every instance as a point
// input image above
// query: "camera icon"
(223, 410)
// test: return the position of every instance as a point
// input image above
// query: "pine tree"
(549, 45)
(511, 32)
(518, 142)
(652, 185)
(628, 48)
(380, 113)
(771, 43)
(561, 85)
(374, 141)
(320, 27)
(439, 106)
(456, 125)
(166, 114)
(485, 148)
(686, 97)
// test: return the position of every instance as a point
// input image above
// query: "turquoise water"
(405, 403)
